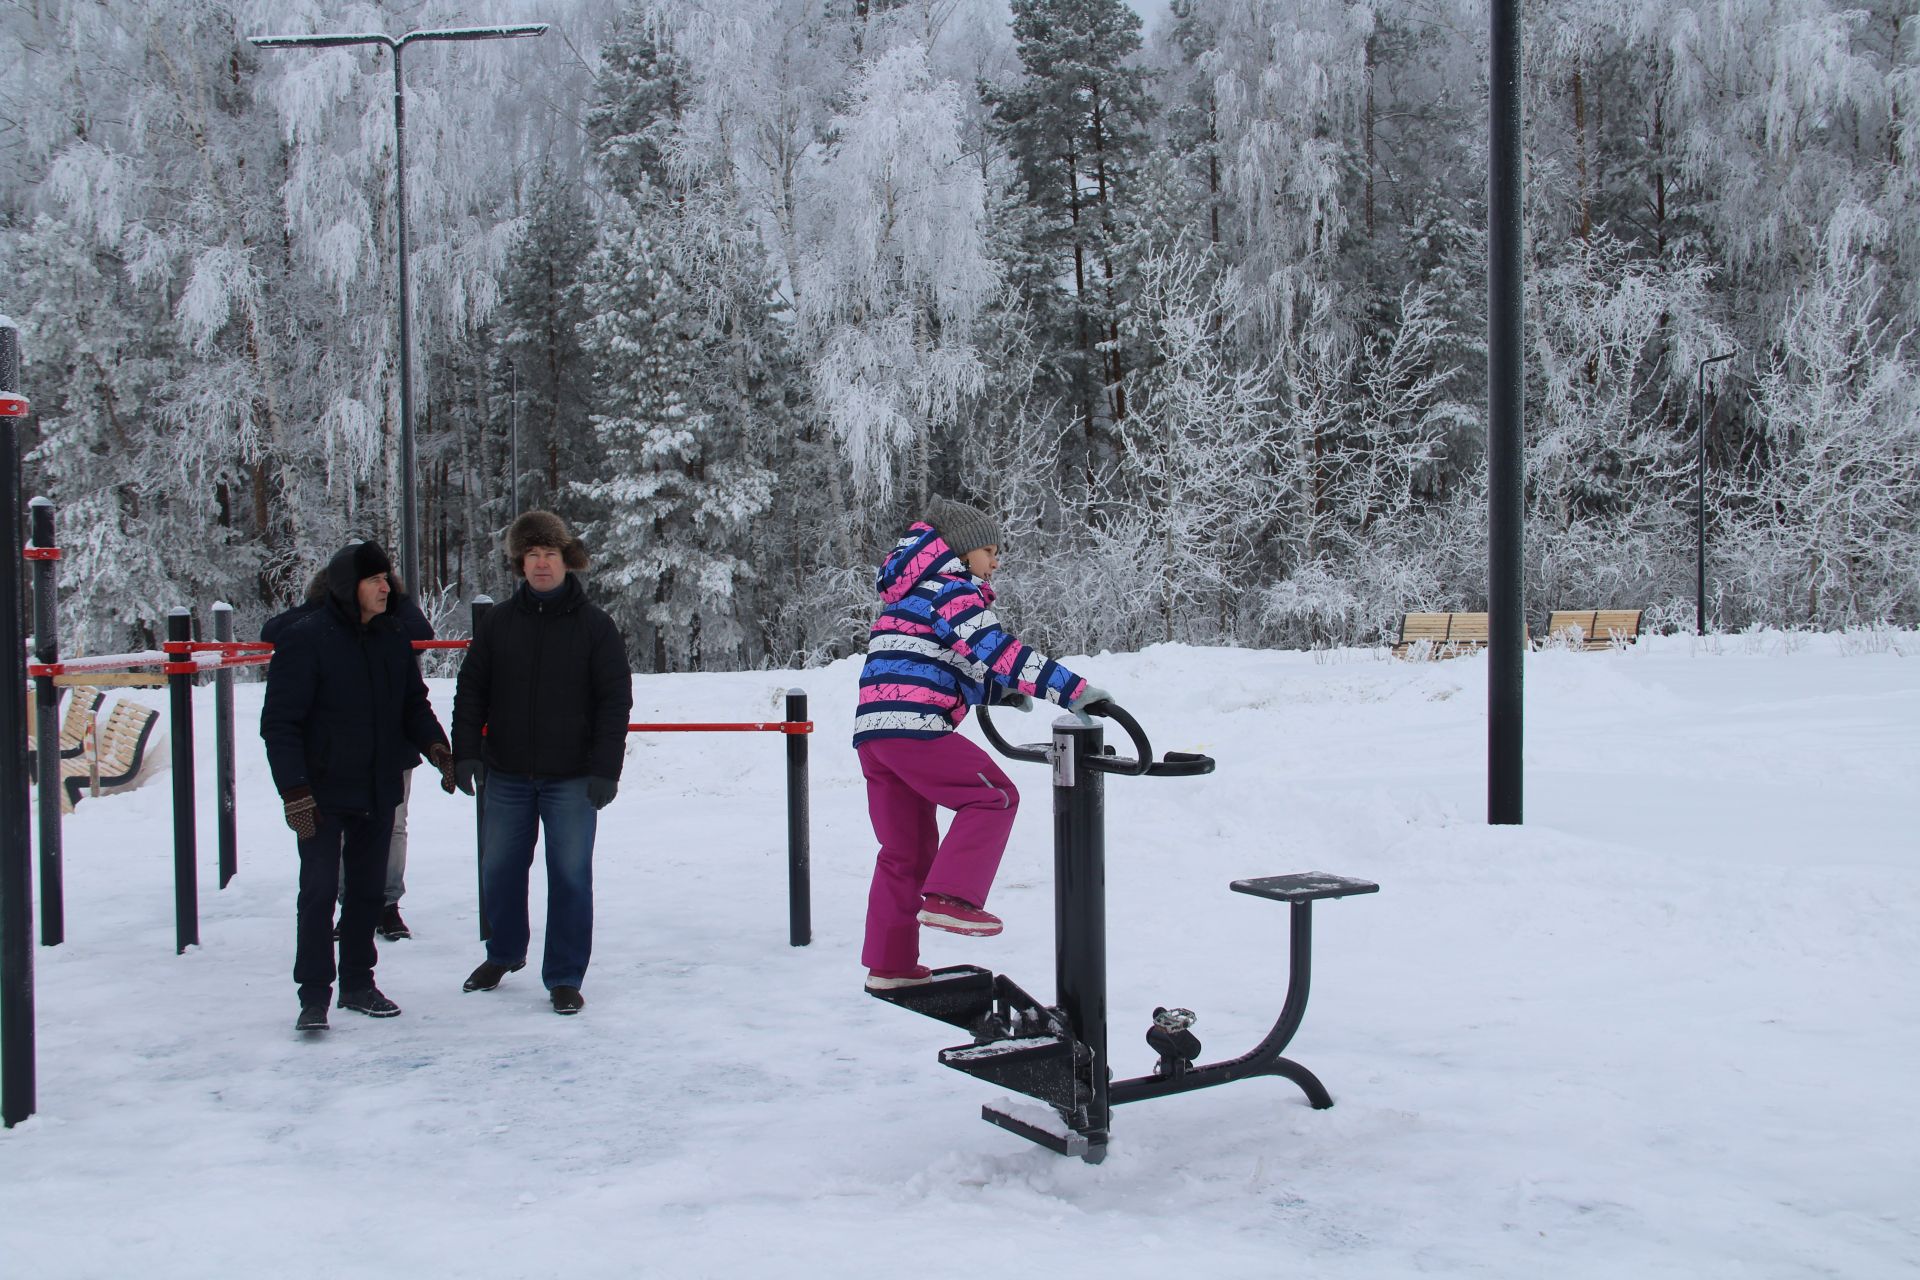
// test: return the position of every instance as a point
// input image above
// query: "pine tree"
(1075, 125)
(672, 510)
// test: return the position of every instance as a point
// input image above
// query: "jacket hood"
(922, 554)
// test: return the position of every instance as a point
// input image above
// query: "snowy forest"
(1195, 303)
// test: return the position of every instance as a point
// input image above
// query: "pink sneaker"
(891, 979)
(955, 916)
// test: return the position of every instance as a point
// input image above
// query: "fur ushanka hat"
(543, 529)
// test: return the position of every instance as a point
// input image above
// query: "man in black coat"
(546, 678)
(414, 623)
(345, 716)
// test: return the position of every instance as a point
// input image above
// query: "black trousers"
(348, 853)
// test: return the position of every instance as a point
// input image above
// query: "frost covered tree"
(671, 509)
(1825, 527)
(896, 274)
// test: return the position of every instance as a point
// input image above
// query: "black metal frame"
(1059, 1053)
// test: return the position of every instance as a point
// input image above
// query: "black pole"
(513, 432)
(16, 867)
(46, 697)
(227, 820)
(799, 828)
(1080, 911)
(1700, 504)
(186, 894)
(409, 528)
(1506, 598)
(482, 605)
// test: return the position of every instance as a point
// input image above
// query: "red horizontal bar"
(41, 553)
(13, 407)
(773, 726)
(217, 646)
(441, 644)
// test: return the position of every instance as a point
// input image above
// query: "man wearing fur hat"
(345, 716)
(546, 678)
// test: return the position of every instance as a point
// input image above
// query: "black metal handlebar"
(1177, 764)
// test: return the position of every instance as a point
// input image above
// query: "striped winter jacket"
(937, 648)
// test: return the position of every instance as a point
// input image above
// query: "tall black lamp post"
(1506, 439)
(1700, 504)
(409, 518)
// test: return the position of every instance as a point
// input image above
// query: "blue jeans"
(518, 807)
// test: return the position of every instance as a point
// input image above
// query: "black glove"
(468, 774)
(1016, 701)
(601, 791)
(303, 812)
(442, 759)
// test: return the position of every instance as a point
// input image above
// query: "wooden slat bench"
(119, 751)
(82, 702)
(1441, 635)
(1597, 629)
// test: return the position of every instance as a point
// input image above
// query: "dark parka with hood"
(346, 712)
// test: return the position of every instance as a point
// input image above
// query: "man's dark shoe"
(488, 975)
(391, 926)
(313, 1017)
(568, 1000)
(369, 1002)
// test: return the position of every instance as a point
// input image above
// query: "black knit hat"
(370, 559)
(352, 565)
(543, 529)
(965, 528)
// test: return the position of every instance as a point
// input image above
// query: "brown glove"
(442, 759)
(303, 812)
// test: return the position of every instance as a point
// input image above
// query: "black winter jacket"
(346, 712)
(548, 680)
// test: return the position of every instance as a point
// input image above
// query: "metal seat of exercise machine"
(1303, 886)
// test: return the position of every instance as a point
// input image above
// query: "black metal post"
(46, 697)
(1506, 597)
(227, 820)
(1080, 911)
(1700, 504)
(482, 605)
(409, 528)
(513, 435)
(186, 893)
(799, 828)
(16, 867)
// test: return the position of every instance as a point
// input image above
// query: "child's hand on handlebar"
(1088, 696)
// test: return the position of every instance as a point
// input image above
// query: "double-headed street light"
(409, 520)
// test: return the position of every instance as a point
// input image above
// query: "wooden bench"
(1593, 630)
(119, 751)
(74, 728)
(1441, 635)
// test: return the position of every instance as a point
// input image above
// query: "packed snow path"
(1669, 1027)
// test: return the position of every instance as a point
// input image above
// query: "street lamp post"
(1700, 504)
(409, 520)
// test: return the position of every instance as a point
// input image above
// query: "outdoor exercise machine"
(1058, 1053)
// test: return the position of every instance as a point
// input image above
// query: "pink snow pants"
(907, 778)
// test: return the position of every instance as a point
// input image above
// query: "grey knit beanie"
(965, 528)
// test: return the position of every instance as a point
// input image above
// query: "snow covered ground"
(1668, 1028)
